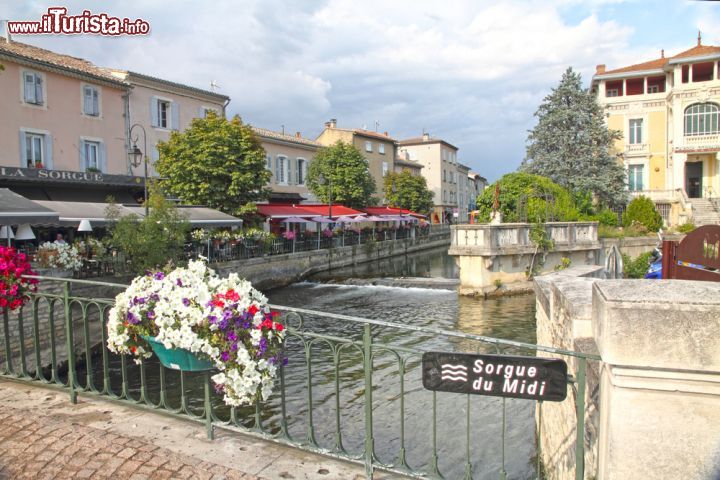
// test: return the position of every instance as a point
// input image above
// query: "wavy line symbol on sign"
(455, 373)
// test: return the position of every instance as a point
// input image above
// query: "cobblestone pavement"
(44, 436)
(44, 448)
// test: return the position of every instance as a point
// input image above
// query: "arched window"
(701, 119)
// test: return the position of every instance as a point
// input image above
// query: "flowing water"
(507, 318)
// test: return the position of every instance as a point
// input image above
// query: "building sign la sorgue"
(64, 176)
(531, 378)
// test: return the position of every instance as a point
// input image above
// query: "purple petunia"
(154, 297)
(151, 314)
(179, 283)
(232, 336)
(223, 324)
(212, 319)
(234, 346)
(132, 318)
(225, 356)
(262, 347)
(159, 276)
(186, 302)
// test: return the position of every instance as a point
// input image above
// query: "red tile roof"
(263, 132)
(52, 59)
(658, 63)
(368, 133)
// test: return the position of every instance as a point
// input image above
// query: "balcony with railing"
(637, 149)
(700, 143)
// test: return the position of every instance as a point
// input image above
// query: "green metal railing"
(333, 397)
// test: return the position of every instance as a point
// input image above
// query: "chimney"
(662, 53)
(426, 136)
(7, 32)
(333, 123)
(386, 134)
(297, 135)
(600, 69)
(327, 124)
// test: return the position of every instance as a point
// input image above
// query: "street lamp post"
(137, 156)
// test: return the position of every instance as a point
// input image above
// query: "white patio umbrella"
(348, 219)
(296, 220)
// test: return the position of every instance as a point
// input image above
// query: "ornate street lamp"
(138, 156)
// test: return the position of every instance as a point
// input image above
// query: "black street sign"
(531, 378)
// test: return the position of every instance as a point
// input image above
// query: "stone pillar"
(659, 378)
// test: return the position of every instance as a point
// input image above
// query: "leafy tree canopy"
(346, 171)
(642, 211)
(410, 192)
(527, 197)
(152, 241)
(571, 144)
(216, 162)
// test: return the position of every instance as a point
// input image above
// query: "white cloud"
(473, 72)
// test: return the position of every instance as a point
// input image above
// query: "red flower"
(279, 327)
(232, 295)
(218, 303)
(3, 302)
(266, 324)
(252, 309)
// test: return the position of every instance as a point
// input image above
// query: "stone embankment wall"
(653, 398)
(280, 270)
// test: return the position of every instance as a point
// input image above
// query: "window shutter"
(278, 161)
(48, 160)
(175, 113)
(38, 89)
(154, 111)
(83, 156)
(23, 150)
(96, 102)
(29, 88)
(87, 101)
(102, 157)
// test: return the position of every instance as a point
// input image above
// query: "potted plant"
(14, 288)
(194, 320)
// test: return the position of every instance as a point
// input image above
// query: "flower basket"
(194, 320)
(178, 358)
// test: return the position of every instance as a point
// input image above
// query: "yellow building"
(668, 112)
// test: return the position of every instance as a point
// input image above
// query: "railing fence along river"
(352, 387)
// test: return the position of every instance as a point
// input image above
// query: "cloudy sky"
(469, 71)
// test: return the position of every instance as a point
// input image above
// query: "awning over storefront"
(275, 211)
(199, 217)
(16, 209)
(72, 213)
(391, 212)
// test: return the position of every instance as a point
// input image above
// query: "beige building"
(288, 157)
(404, 164)
(440, 168)
(463, 193)
(162, 107)
(476, 185)
(378, 148)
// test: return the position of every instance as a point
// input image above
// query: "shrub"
(636, 267)
(527, 192)
(642, 211)
(686, 228)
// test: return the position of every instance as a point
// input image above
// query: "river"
(508, 318)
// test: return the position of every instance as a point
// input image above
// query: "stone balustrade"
(488, 254)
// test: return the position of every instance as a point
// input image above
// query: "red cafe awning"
(277, 211)
(386, 211)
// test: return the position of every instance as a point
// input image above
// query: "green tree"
(216, 162)
(572, 145)
(152, 241)
(527, 197)
(344, 167)
(410, 191)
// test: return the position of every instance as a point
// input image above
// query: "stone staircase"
(705, 212)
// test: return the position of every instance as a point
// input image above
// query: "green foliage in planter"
(636, 267)
(153, 241)
(642, 211)
(516, 188)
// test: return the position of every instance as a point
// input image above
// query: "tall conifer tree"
(572, 145)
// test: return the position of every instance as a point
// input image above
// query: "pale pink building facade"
(59, 113)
